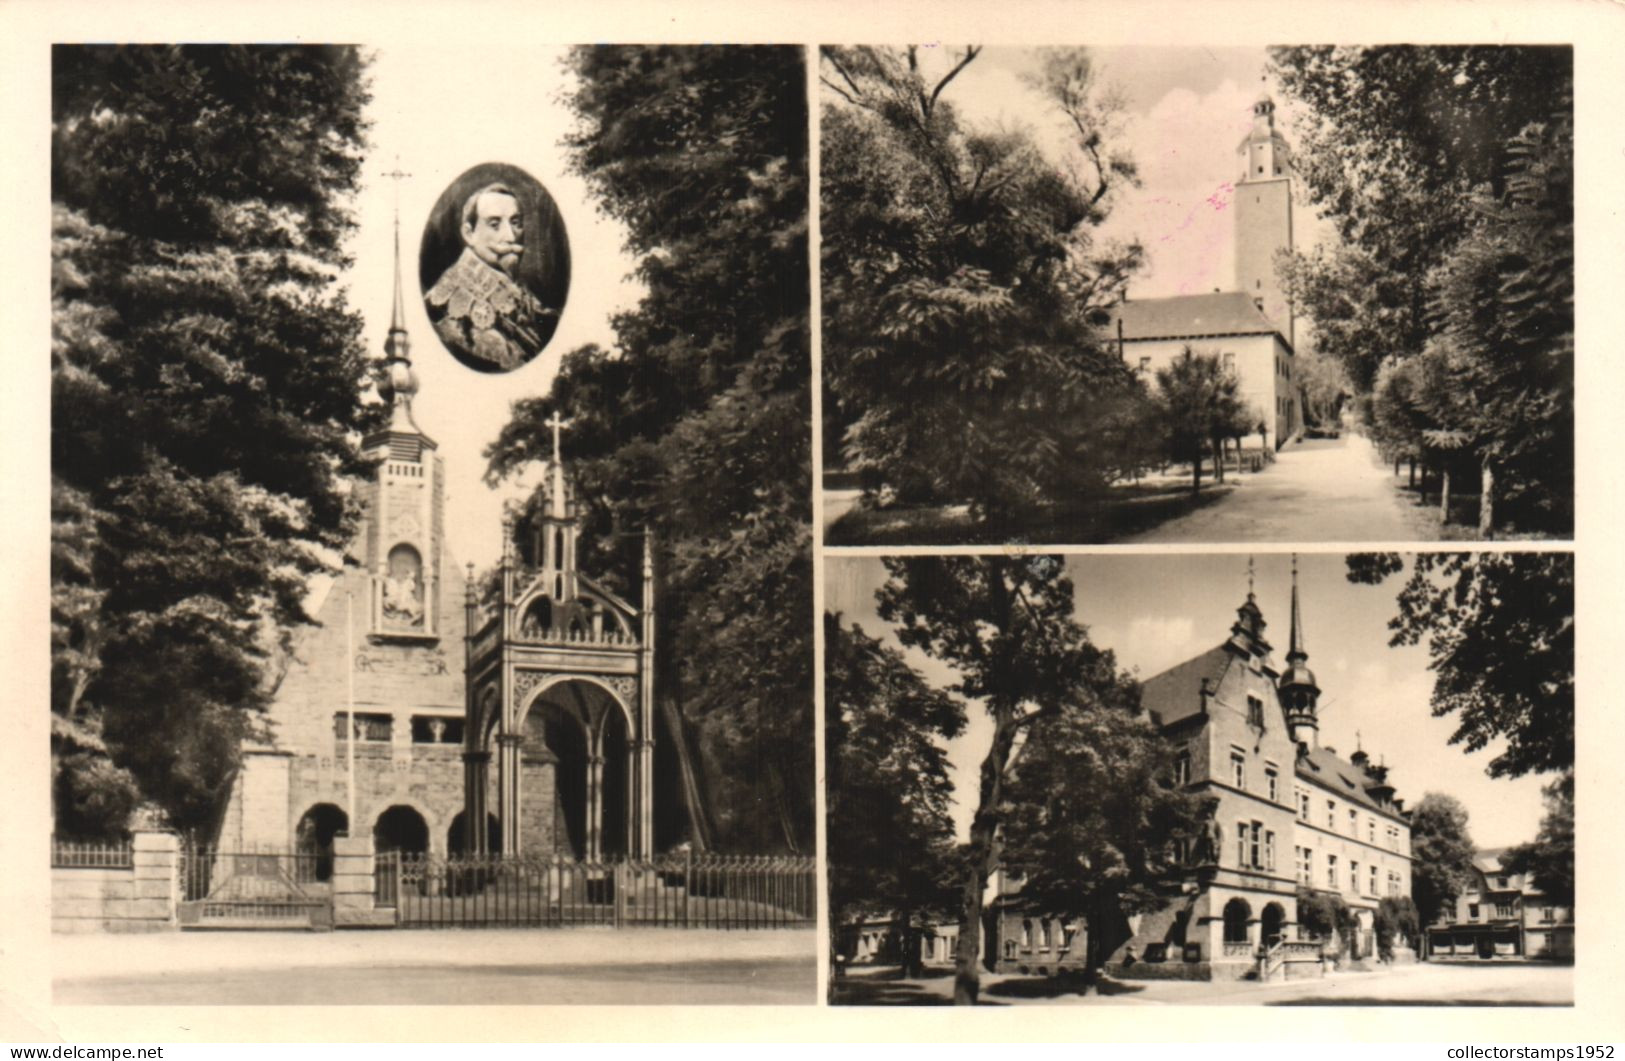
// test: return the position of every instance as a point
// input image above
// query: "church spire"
(399, 383)
(1296, 652)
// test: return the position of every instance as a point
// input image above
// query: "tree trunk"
(909, 944)
(1486, 502)
(1413, 473)
(1444, 495)
(980, 860)
(1196, 472)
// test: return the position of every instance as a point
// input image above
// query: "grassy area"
(1130, 508)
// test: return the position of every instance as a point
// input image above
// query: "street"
(1423, 984)
(582, 966)
(1318, 490)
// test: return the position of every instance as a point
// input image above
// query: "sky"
(1185, 111)
(1157, 610)
(438, 111)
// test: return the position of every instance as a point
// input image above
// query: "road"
(1318, 490)
(1424, 984)
(458, 967)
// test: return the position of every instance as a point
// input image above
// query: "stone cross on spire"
(558, 424)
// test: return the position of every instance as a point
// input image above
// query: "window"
(1272, 782)
(1145, 364)
(1255, 711)
(1371, 830)
(1547, 915)
(1010, 948)
(1269, 851)
(1500, 882)
(1331, 871)
(1238, 769)
(429, 729)
(1182, 770)
(1043, 934)
(1230, 362)
(1306, 865)
(1373, 889)
(1303, 804)
(1503, 910)
(1354, 877)
(1331, 814)
(1472, 911)
(1354, 822)
(1256, 863)
(1241, 843)
(1026, 935)
(1393, 884)
(370, 728)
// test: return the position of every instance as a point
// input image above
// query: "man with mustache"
(478, 308)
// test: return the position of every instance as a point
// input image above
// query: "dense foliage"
(1441, 855)
(1201, 409)
(1548, 860)
(1005, 626)
(1397, 921)
(964, 293)
(206, 382)
(887, 796)
(1449, 301)
(696, 426)
(1500, 633)
(1095, 822)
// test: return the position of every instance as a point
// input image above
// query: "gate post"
(353, 885)
(155, 869)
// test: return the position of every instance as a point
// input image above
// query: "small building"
(1502, 915)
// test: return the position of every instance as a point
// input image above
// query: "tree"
(207, 378)
(696, 426)
(1500, 631)
(887, 791)
(964, 295)
(1201, 407)
(1323, 383)
(1449, 174)
(1441, 855)
(1548, 861)
(1005, 625)
(1397, 919)
(1095, 820)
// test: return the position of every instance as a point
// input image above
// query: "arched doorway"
(313, 839)
(457, 840)
(1273, 918)
(578, 776)
(555, 796)
(401, 828)
(1237, 913)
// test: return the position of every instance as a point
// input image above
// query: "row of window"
(1229, 360)
(1049, 933)
(1391, 837)
(371, 728)
(1306, 873)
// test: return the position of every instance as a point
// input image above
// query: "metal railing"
(70, 854)
(711, 891)
(254, 877)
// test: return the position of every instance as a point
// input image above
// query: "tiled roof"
(1188, 316)
(1340, 775)
(1176, 693)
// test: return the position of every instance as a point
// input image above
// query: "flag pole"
(349, 710)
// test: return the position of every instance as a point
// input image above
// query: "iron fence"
(71, 854)
(715, 891)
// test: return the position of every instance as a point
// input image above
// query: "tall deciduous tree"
(887, 794)
(1095, 819)
(1500, 633)
(1549, 858)
(206, 384)
(964, 292)
(1441, 854)
(1005, 625)
(696, 425)
(1448, 172)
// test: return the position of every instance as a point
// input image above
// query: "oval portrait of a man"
(495, 267)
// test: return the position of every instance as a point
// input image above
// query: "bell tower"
(1264, 215)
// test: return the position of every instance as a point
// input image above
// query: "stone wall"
(141, 898)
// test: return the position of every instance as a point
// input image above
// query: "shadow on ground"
(1129, 509)
(1055, 987)
(889, 989)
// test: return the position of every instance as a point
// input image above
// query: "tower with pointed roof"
(388, 626)
(1263, 216)
(1300, 696)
